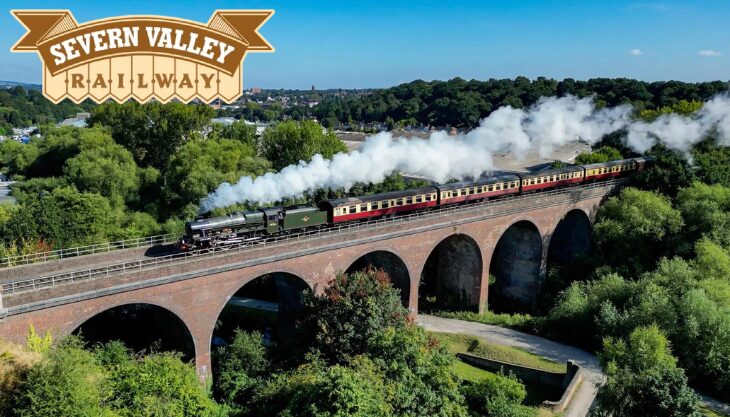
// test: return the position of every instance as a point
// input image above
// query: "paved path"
(583, 398)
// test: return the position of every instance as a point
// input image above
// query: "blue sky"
(356, 44)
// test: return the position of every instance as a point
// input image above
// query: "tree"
(642, 378)
(15, 363)
(360, 315)
(706, 212)
(289, 142)
(64, 217)
(602, 154)
(152, 131)
(157, 385)
(238, 131)
(15, 158)
(243, 366)
(319, 391)
(351, 311)
(108, 170)
(669, 172)
(69, 382)
(634, 229)
(702, 339)
(201, 165)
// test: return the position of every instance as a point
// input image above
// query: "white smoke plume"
(550, 123)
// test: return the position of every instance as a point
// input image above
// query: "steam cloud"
(550, 123)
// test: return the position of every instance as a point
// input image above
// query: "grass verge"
(459, 343)
(513, 321)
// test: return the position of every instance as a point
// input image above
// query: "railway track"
(501, 208)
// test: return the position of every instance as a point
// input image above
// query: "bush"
(501, 396)
(319, 391)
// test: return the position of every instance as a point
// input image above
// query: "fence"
(86, 250)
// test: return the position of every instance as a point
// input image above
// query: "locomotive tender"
(274, 221)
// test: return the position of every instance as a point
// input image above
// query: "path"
(583, 398)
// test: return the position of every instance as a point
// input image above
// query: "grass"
(709, 412)
(471, 373)
(459, 343)
(536, 394)
(513, 321)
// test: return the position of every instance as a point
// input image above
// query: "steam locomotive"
(274, 221)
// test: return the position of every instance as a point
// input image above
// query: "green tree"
(243, 366)
(289, 142)
(69, 382)
(643, 379)
(238, 131)
(200, 166)
(319, 391)
(683, 107)
(669, 172)
(361, 315)
(157, 385)
(602, 154)
(65, 217)
(706, 213)
(15, 158)
(152, 131)
(351, 311)
(634, 229)
(108, 170)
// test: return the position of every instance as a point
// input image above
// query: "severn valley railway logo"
(142, 57)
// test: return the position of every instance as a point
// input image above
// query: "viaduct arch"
(142, 327)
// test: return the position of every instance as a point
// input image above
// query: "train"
(276, 221)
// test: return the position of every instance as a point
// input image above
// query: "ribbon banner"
(142, 57)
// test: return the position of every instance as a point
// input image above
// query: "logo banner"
(142, 57)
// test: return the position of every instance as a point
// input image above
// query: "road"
(583, 398)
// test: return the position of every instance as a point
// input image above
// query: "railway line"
(120, 261)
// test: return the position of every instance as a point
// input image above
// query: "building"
(78, 121)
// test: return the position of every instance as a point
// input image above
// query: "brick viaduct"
(452, 251)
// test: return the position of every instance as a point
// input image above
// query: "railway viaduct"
(445, 255)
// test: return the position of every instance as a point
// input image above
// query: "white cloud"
(709, 52)
(636, 52)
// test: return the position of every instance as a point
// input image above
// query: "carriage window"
(428, 197)
(385, 204)
(419, 199)
(353, 209)
(409, 200)
(375, 205)
(363, 207)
